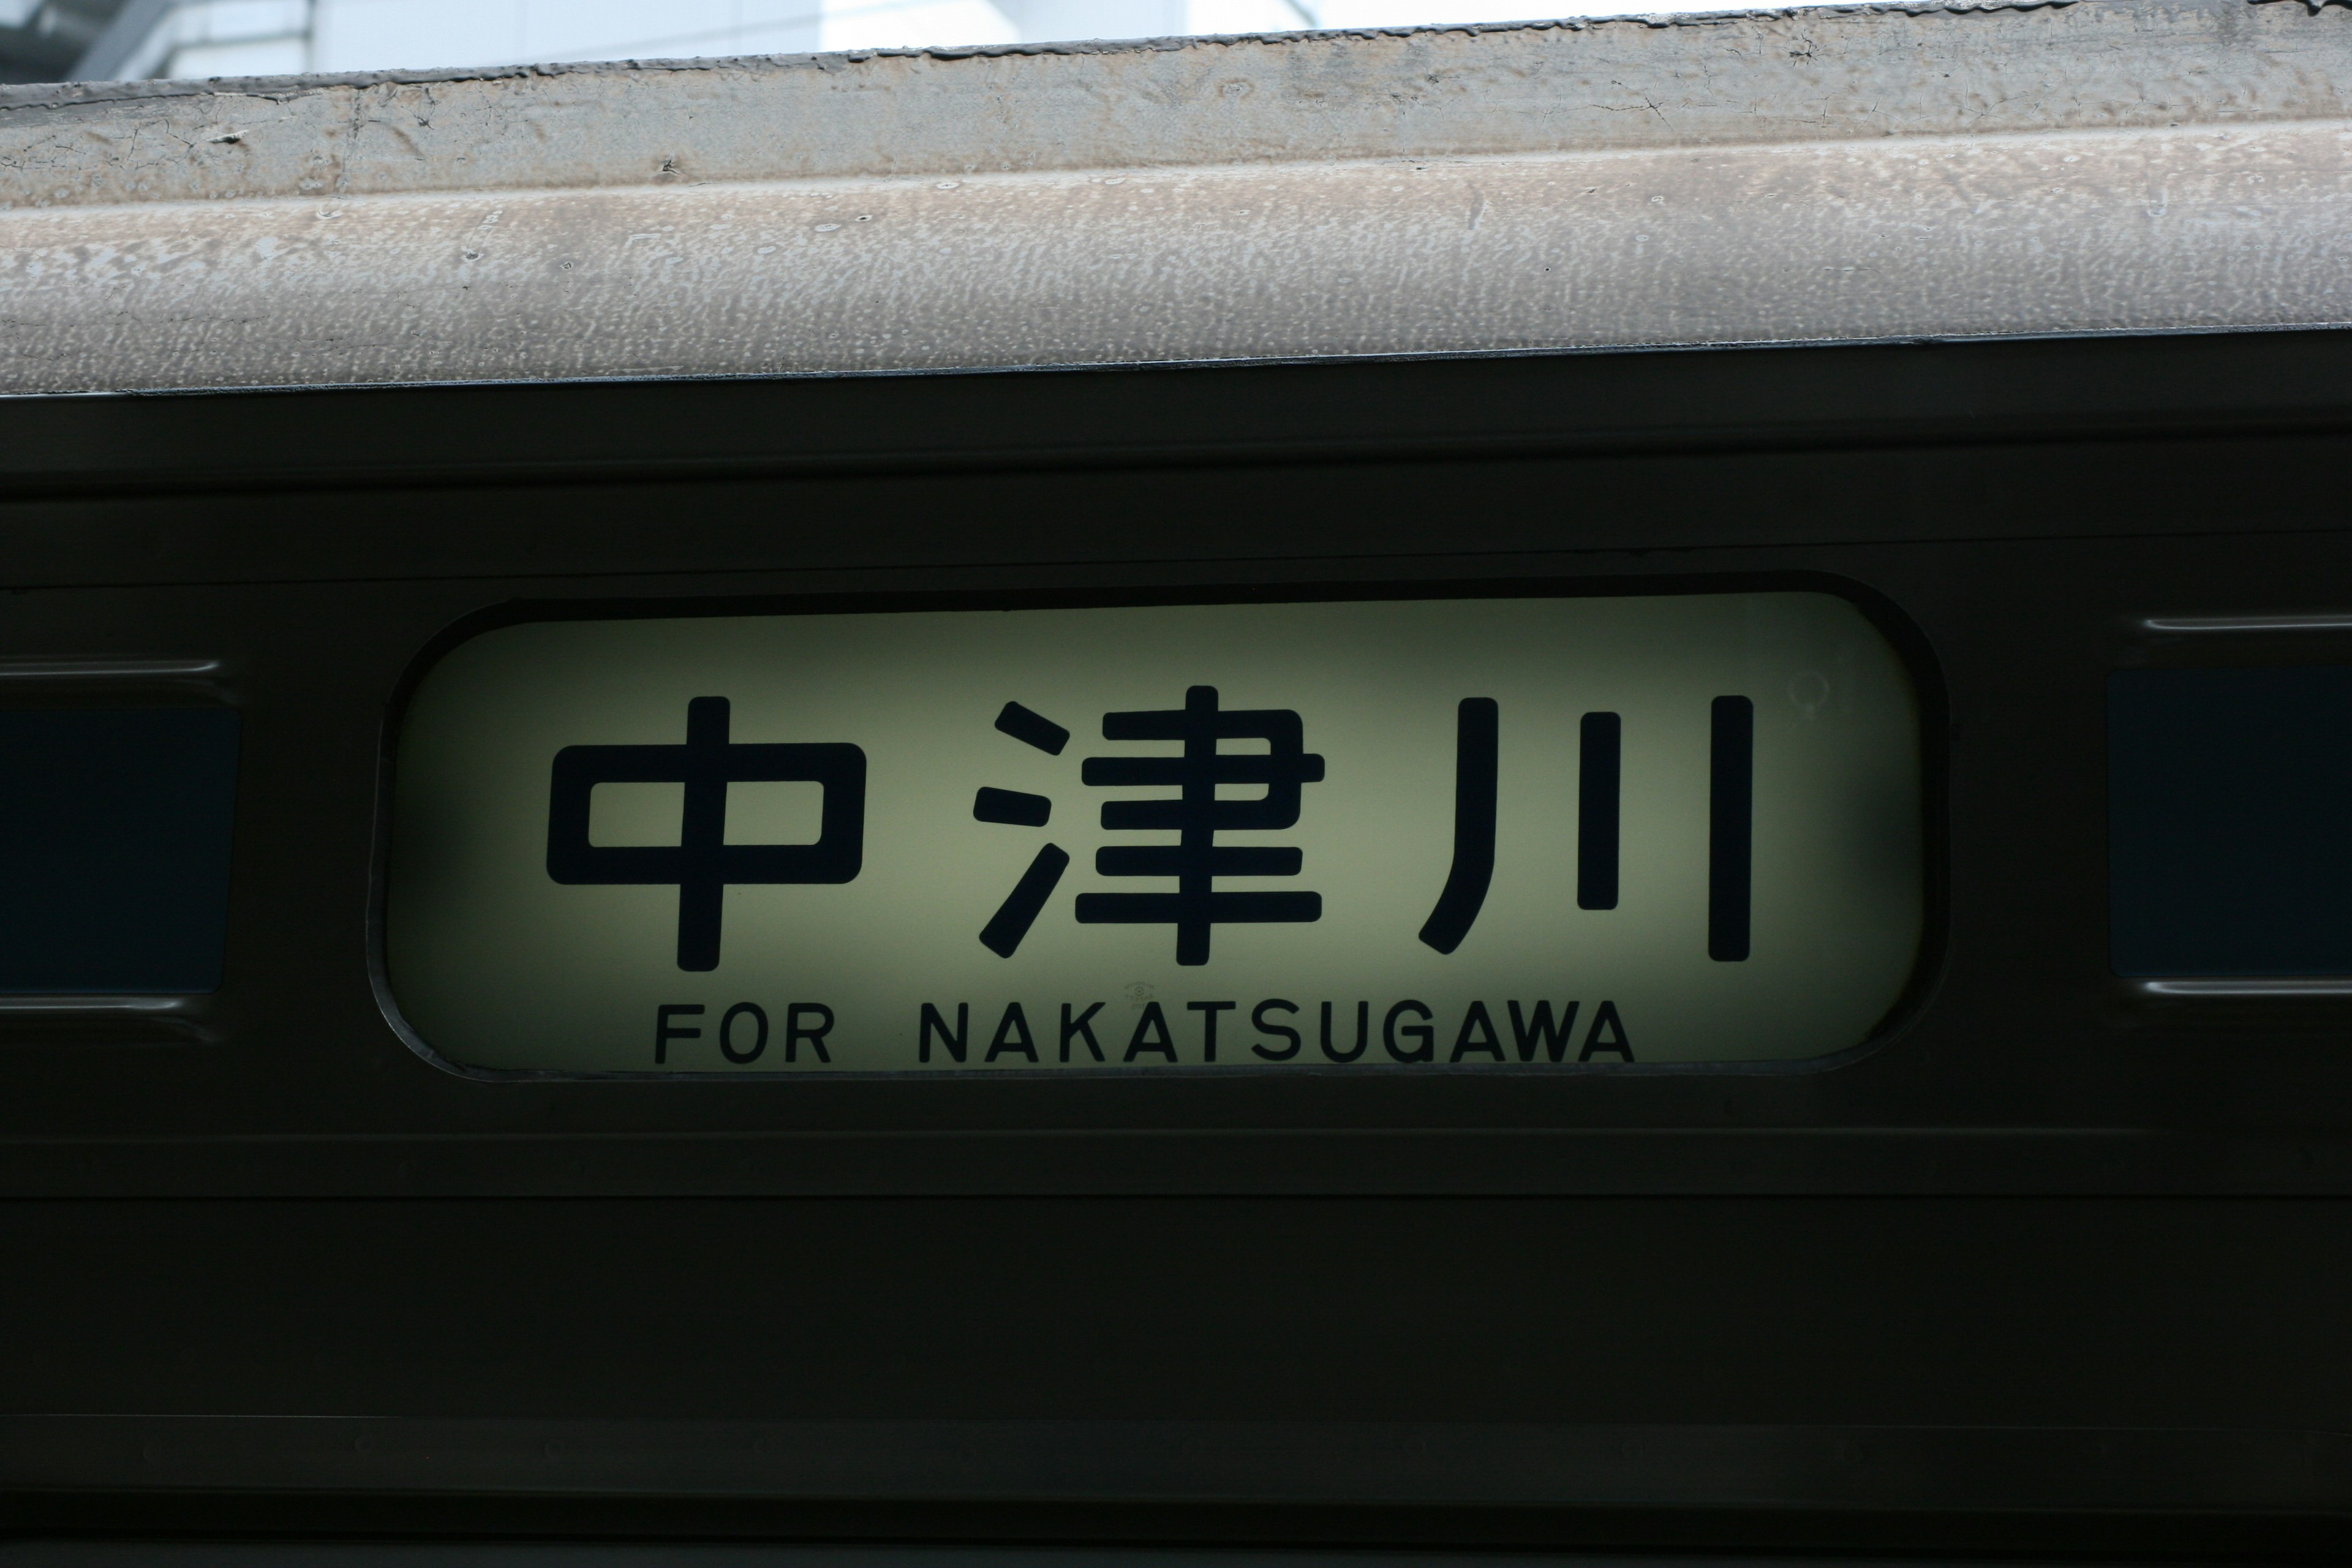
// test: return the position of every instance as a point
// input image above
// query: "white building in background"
(267, 37)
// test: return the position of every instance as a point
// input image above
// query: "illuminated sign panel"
(1492, 834)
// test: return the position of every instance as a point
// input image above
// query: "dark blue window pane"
(114, 849)
(2230, 820)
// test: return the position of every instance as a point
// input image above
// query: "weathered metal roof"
(1819, 174)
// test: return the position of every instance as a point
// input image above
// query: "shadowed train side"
(1451, 933)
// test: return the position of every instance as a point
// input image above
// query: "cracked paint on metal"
(1770, 178)
(2130, 231)
(1819, 74)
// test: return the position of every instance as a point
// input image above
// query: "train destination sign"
(1494, 835)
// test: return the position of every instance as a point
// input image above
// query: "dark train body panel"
(2057, 1262)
